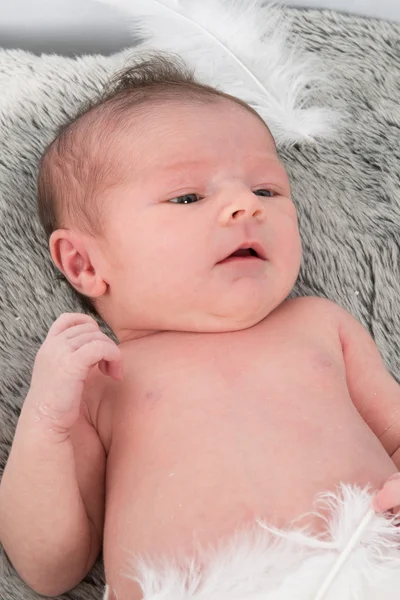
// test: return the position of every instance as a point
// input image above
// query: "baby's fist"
(73, 345)
(388, 497)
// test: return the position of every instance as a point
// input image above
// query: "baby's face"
(198, 182)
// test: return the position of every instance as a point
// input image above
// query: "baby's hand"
(388, 497)
(73, 345)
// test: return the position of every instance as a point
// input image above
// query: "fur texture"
(272, 564)
(246, 49)
(347, 192)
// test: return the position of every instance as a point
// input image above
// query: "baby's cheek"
(290, 247)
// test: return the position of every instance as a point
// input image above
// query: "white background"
(83, 26)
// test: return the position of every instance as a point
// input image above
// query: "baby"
(224, 404)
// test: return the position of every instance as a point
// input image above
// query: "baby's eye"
(263, 192)
(185, 199)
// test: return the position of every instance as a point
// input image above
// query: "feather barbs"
(245, 48)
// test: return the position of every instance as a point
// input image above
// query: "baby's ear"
(71, 255)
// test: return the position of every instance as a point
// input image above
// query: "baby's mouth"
(243, 254)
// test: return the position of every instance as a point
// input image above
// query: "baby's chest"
(231, 382)
(240, 421)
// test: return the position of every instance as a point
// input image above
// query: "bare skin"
(192, 442)
(223, 402)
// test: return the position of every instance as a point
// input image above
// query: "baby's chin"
(240, 321)
(229, 318)
(242, 302)
(240, 312)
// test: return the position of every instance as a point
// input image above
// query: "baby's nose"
(245, 205)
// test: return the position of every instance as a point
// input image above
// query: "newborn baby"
(224, 403)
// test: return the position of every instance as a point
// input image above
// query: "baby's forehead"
(182, 131)
(116, 151)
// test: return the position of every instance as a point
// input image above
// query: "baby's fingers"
(112, 369)
(100, 351)
(67, 320)
(388, 497)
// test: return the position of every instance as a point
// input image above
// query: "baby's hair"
(78, 164)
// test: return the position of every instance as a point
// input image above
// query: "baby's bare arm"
(44, 526)
(52, 501)
(375, 393)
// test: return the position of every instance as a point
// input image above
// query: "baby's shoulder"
(315, 311)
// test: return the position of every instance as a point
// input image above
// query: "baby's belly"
(183, 473)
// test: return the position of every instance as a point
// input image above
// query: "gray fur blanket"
(347, 192)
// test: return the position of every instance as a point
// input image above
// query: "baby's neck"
(129, 335)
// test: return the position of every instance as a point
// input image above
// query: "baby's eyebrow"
(182, 172)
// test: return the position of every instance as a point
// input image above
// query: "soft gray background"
(347, 192)
(82, 26)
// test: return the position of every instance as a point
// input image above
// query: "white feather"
(270, 564)
(344, 556)
(246, 49)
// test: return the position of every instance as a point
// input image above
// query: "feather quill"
(340, 562)
(246, 49)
